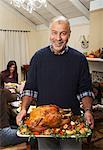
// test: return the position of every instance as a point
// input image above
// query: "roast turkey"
(46, 116)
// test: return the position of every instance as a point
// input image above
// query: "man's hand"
(20, 117)
(26, 100)
(89, 118)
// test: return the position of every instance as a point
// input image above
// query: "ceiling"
(69, 8)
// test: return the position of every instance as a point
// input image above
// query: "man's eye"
(63, 33)
(54, 33)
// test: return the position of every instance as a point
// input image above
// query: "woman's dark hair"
(10, 63)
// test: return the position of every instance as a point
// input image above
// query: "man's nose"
(58, 36)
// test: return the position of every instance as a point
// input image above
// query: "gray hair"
(60, 19)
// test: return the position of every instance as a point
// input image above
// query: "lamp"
(29, 5)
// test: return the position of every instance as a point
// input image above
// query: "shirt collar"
(65, 50)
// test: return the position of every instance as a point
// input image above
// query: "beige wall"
(76, 33)
(96, 29)
(40, 38)
(9, 19)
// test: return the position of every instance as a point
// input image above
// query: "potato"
(83, 130)
(71, 132)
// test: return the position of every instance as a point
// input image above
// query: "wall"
(96, 29)
(76, 32)
(42, 38)
(9, 19)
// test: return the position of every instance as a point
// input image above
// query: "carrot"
(81, 125)
(36, 133)
(27, 122)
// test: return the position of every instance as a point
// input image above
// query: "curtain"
(14, 46)
(2, 47)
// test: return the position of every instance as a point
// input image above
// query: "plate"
(15, 103)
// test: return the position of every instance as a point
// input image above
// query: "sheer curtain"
(14, 47)
(2, 47)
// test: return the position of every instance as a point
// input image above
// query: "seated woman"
(7, 133)
(10, 74)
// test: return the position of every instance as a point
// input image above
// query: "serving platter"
(71, 126)
(55, 136)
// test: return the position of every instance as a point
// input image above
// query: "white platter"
(15, 103)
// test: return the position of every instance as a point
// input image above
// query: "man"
(59, 75)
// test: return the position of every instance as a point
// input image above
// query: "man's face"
(59, 36)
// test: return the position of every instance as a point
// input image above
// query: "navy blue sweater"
(58, 79)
